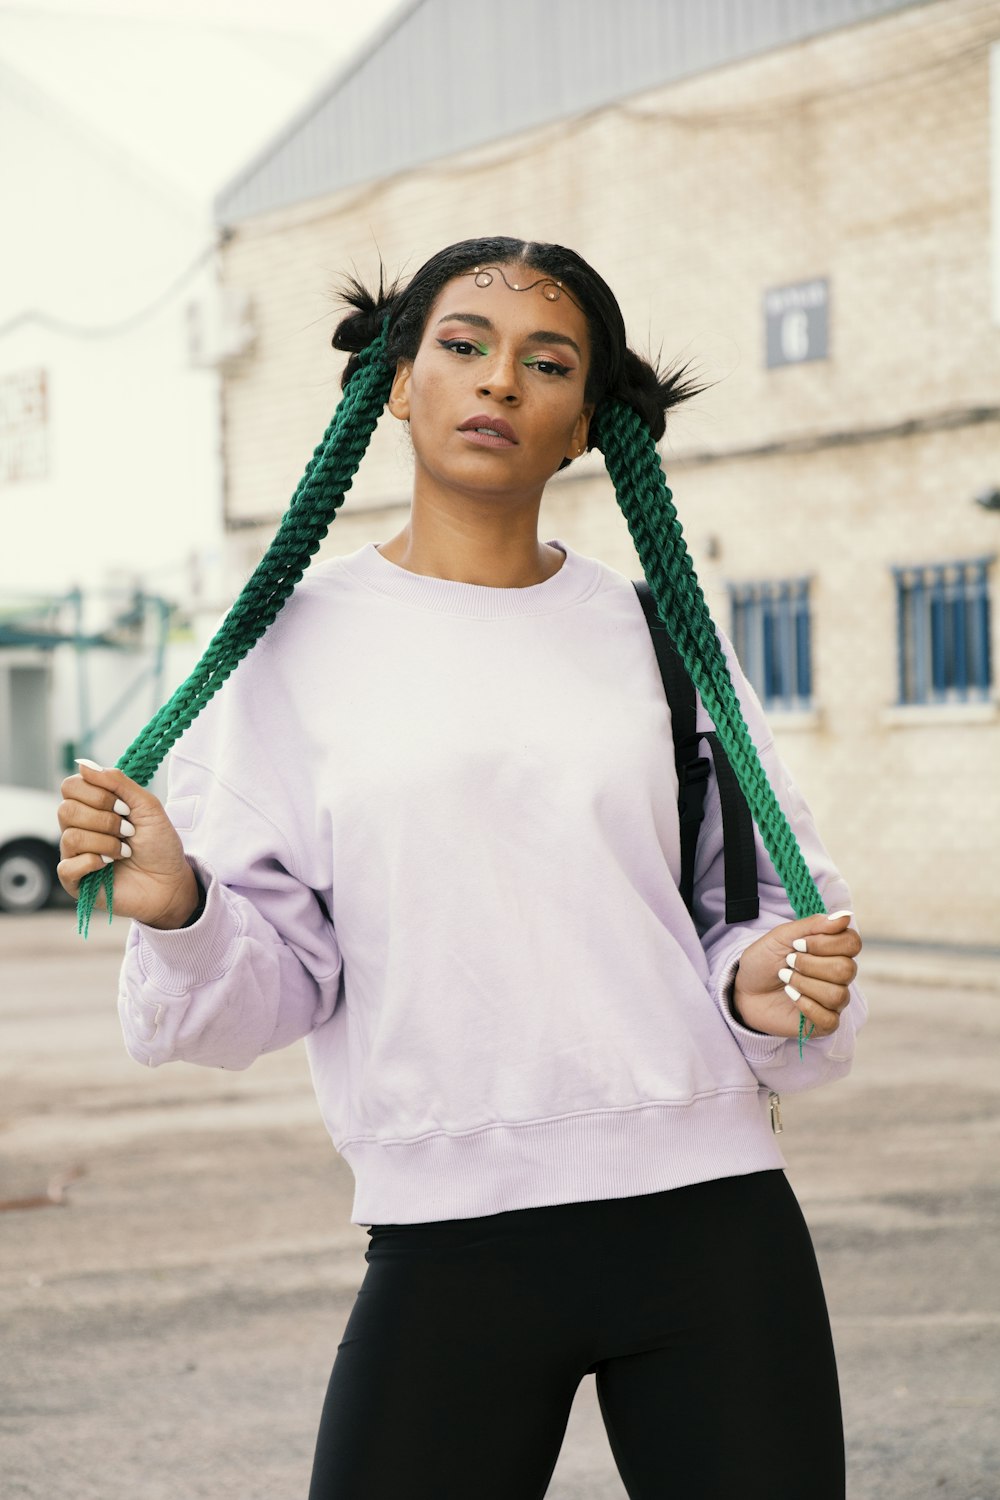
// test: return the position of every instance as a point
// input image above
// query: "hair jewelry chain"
(552, 289)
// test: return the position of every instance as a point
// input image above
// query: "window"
(771, 633)
(943, 624)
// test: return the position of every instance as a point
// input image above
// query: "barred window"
(943, 625)
(771, 631)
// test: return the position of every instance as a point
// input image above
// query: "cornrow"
(314, 505)
(647, 504)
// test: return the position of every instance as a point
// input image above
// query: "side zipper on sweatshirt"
(774, 1104)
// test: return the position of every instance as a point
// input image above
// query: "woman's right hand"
(154, 883)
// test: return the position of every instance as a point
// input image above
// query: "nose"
(509, 398)
(501, 379)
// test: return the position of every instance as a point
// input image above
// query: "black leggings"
(699, 1309)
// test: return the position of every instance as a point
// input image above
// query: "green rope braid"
(314, 505)
(641, 489)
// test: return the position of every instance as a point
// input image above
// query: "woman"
(431, 826)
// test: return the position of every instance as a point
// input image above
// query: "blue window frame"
(772, 633)
(943, 630)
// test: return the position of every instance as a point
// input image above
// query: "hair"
(631, 399)
(614, 369)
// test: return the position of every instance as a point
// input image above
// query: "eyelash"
(555, 368)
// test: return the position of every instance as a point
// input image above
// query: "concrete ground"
(169, 1326)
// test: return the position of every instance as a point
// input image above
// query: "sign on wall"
(796, 322)
(24, 426)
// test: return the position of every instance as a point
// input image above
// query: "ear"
(581, 428)
(399, 394)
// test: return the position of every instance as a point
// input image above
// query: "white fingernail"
(835, 914)
(791, 959)
(126, 852)
(799, 944)
(792, 994)
(107, 859)
(127, 828)
(122, 808)
(90, 764)
(785, 975)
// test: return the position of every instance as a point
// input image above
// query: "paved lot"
(170, 1327)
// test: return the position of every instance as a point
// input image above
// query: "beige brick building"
(809, 222)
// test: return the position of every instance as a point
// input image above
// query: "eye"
(463, 346)
(548, 366)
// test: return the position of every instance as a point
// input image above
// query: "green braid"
(314, 505)
(641, 489)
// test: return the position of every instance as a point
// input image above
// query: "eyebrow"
(540, 336)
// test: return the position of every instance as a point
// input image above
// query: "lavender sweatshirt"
(437, 824)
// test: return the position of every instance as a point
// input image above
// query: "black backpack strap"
(692, 768)
(739, 849)
(692, 779)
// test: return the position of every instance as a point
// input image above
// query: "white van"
(29, 847)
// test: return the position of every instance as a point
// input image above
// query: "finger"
(801, 933)
(831, 996)
(822, 923)
(110, 779)
(76, 841)
(836, 969)
(88, 793)
(847, 942)
(70, 873)
(824, 1018)
(85, 815)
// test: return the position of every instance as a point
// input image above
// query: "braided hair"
(631, 398)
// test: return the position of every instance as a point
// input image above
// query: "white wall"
(90, 238)
(134, 482)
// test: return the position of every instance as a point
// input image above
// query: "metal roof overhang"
(443, 76)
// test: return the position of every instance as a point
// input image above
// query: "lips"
(490, 429)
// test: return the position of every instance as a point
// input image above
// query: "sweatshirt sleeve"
(774, 1060)
(260, 967)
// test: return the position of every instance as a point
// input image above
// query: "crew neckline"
(574, 580)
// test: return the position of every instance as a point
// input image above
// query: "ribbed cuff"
(178, 959)
(196, 915)
(756, 1046)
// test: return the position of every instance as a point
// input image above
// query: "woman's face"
(511, 362)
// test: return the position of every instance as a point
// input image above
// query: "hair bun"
(651, 392)
(362, 326)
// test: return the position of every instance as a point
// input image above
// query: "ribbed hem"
(577, 1158)
(578, 577)
(178, 958)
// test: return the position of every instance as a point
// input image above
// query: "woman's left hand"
(814, 958)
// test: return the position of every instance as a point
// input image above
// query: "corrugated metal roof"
(445, 75)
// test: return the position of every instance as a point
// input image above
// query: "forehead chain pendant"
(551, 291)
